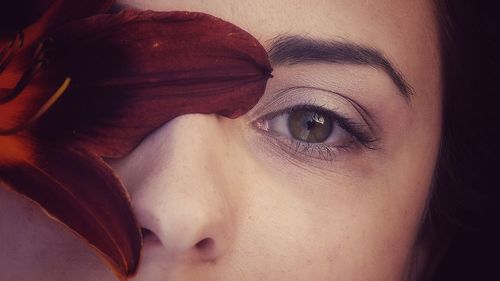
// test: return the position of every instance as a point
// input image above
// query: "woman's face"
(326, 178)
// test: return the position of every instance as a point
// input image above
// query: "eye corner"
(372, 143)
(260, 124)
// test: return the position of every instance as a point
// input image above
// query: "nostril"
(148, 236)
(145, 232)
(206, 244)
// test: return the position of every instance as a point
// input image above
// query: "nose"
(179, 190)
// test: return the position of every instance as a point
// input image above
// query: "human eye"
(317, 130)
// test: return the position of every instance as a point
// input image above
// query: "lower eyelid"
(305, 151)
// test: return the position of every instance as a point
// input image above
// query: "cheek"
(34, 247)
(327, 229)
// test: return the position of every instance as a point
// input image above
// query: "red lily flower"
(76, 88)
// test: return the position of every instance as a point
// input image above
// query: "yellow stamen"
(46, 106)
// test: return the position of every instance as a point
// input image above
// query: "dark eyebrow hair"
(297, 49)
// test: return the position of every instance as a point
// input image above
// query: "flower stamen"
(43, 109)
(7, 53)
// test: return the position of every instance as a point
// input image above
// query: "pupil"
(310, 125)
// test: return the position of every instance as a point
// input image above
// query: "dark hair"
(463, 222)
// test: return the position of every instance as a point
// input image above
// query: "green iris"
(310, 125)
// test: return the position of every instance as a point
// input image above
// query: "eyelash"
(361, 138)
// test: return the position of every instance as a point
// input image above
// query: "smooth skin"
(226, 199)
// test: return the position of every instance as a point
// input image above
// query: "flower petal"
(80, 190)
(23, 90)
(136, 70)
(17, 15)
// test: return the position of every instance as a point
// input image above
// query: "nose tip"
(180, 200)
(192, 234)
(183, 227)
(205, 249)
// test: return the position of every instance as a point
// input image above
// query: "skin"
(224, 201)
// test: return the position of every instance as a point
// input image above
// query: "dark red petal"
(23, 90)
(131, 72)
(16, 15)
(48, 15)
(80, 190)
(134, 71)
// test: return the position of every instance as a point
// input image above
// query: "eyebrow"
(297, 49)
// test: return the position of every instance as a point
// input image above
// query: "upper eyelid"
(306, 106)
(361, 109)
(261, 109)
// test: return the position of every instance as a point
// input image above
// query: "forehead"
(360, 20)
(400, 29)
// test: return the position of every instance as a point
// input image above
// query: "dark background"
(472, 125)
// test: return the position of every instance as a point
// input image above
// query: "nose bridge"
(182, 197)
(187, 145)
